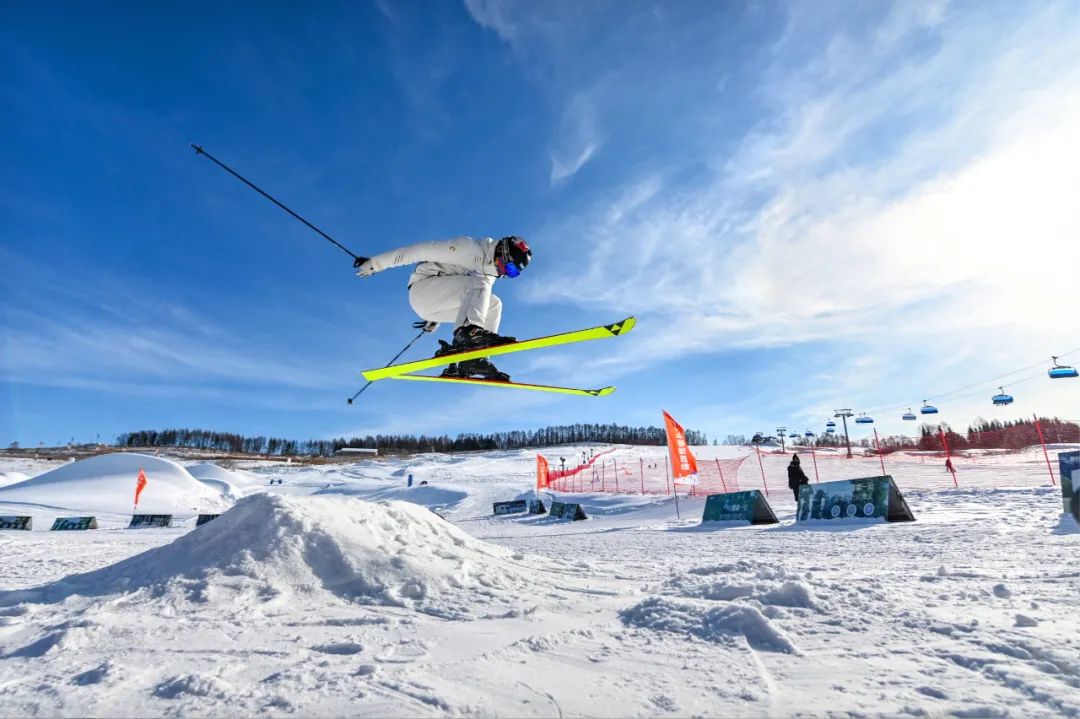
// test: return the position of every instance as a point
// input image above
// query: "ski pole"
(403, 351)
(357, 259)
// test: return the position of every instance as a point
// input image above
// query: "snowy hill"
(106, 484)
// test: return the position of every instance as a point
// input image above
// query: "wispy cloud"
(95, 332)
(578, 138)
(908, 186)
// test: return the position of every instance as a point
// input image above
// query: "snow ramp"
(106, 484)
(284, 552)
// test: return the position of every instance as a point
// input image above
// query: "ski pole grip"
(359, 261)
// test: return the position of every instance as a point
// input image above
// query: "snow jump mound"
(290, 551)
(106, 483)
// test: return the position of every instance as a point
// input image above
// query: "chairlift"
(909, 416)
(1002, 399)
(808, 433)
(863, 419)
(830, 425)
(927, 408)
(830, 430)
(1061, 371)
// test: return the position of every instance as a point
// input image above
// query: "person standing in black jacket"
(796, 477)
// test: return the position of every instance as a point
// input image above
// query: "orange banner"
(541, 472)
(140, 484)
(683, 464)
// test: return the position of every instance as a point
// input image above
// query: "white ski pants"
(457, 299)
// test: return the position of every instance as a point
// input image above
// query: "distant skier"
(452, 282)
(796, 477)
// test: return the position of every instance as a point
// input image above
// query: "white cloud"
(799, 237)
(577, 138)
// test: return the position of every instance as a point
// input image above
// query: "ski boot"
(475, 369)
(471, 337)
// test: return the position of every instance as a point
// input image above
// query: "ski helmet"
(512, 255)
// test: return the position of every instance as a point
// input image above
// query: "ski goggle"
(508, 268)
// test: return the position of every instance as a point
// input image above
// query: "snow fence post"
(762, 468)
(1038, 426)
(615, 471)
(813, 455)
(641, 468)
(722, 482)
(667, 474)
(880, 457)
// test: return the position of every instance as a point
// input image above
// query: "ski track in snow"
(971, 611)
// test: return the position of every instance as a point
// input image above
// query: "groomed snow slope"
(297, 605)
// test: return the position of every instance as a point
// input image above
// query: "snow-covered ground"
(307, 598)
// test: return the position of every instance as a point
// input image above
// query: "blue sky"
(807, 205)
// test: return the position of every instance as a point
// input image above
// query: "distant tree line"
(981, 434)
(401, 444)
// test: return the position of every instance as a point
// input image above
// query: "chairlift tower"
(843, 414)
(781, 432)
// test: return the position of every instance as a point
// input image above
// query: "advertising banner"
(74, 524)
(150, 520)
(845, 499)
(1069, 466)
(750, 507)
(514, 507)
(566, 510)
(17, 522)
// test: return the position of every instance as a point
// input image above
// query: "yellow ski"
(602, 392)
(592, 333)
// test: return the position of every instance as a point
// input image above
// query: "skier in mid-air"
(452, 282)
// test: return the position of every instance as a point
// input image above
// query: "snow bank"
(232, 483)
(281, 549)
(106, 483)
(11, 477)
(715, 623)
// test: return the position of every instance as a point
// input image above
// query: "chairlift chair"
(909, 416)
(1002, 399)
(927, 408)
(1061, 371)
(863, 419)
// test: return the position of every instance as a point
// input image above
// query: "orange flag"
(683, 464)
(140, 484)
(541, 472)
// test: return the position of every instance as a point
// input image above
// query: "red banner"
(140, 484)
(541, 472)
(683, 464)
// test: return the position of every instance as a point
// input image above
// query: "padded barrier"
(514, 507)
(139, 521)
(1069, 472)
(750, 507)
(536, 506)
(566, 510)
(845, 499)
(74, 524)
(17, 522)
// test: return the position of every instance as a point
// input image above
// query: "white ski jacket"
(457, 256)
